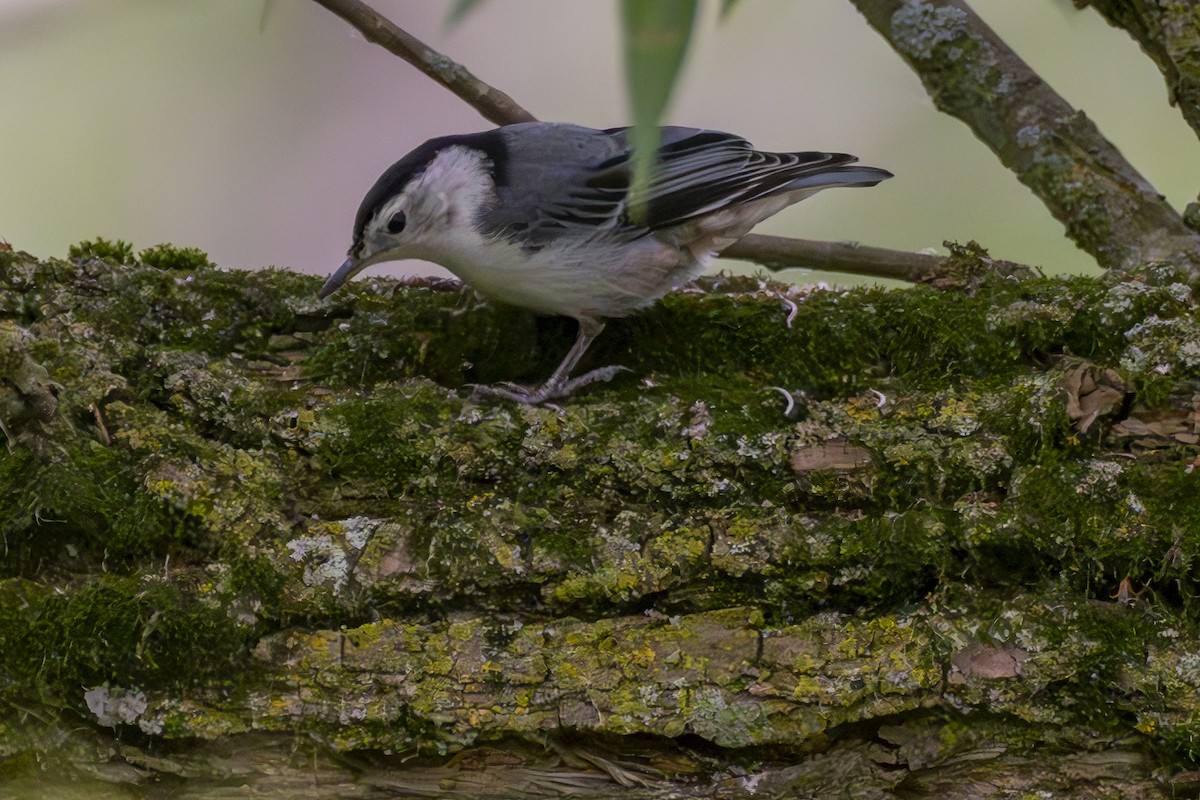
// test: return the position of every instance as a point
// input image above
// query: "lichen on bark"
(233, 512)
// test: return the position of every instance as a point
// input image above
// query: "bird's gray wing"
(576, 181)
(700, 171)
(544, 194)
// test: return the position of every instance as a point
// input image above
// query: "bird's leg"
(560, 383)
(589, 329)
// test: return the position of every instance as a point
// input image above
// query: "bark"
(778, 252)
(1107, 207)
(240, 521)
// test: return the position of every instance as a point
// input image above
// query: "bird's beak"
(344, 273)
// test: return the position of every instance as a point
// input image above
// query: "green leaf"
(656, 34)
(727, 8)
(459, 9)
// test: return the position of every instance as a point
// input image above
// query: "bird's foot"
(550, 390)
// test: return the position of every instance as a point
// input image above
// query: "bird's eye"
(397, 222)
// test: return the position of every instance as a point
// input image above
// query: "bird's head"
(421, 205)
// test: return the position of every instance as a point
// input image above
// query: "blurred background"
(254, 135)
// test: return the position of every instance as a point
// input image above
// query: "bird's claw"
(550, 390)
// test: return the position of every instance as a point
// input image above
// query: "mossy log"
(868, 543)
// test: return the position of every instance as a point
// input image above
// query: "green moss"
(253, 578)
(160, 256)
(86, 501)
(115, 252)
(169, 257)
(21, 605)
(1030, 414)
(230, 456)
(126, 630)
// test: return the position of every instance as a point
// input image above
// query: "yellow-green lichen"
(261, 511)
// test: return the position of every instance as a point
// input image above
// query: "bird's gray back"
(557, 177)
(548, 163)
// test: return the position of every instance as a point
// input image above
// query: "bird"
(548, 217)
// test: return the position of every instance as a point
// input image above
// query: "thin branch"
(773, 252)
(492, 103)
(1108, 208)
(778, 252)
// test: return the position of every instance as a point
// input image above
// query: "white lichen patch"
(113, 706)
(358, 530)
(1162, 346)
(918, 28)
(1101, 478)
(325, 564)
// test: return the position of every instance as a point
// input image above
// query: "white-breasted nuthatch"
(539, 215)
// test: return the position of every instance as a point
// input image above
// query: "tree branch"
(1109, 210)
(493, 104)
(1170, 34)
(773, 252)
(778, 252)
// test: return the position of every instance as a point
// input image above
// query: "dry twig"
(779, 252)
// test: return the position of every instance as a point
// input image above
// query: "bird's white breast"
(584, 279)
